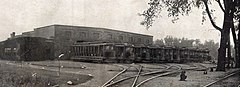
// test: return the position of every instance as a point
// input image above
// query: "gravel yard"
(95, 75)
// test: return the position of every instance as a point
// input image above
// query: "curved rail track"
(214, 83)
(167, 71)
(110, 81)
(162, 73)
(136, 78)
(124, 70)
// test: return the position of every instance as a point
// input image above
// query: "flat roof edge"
(93, 28)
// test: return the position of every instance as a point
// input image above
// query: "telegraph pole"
(59, 66)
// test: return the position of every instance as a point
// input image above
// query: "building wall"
(64, 36)
(9, 49)
(47, 32)
(89, 34)
(26, 48)
(28, 34)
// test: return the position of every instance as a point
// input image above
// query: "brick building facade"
(64, 36)
(26, 49)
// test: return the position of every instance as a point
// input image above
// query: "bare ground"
(95, 75)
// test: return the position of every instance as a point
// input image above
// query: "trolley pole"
(59, 65)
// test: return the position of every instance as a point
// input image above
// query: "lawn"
(14, 76)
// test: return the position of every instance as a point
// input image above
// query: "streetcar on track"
(128, 53)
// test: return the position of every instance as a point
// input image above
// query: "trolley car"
(123, 52)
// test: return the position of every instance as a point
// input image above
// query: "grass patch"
(13, 76)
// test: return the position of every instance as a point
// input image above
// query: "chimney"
(12, 34)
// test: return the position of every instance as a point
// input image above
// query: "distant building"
(26, 49)
(64, 36)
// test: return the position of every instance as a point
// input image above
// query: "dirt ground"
(95, 75)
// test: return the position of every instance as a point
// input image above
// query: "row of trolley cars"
(123, 52)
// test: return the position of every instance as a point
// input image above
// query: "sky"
(25, 15)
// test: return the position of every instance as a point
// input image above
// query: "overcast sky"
(25, 15)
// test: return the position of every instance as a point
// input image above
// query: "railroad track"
(231, 75)
(153, 75)
(159, 73)
(124, 70)
(136, 78)
(115, 78)
(159, 66)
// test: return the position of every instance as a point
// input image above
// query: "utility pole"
(59, 65)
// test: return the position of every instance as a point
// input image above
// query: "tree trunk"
(236, 46)
(235, 39)
(237, 54)
(223, 43)
(238, 50)
(224, 36)
(228, 52)
(222, 52)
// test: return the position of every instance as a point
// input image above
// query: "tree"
(168, 41)
(178, 42)
(197, 43)
(159, 42)
(212, 46)
(230, 8)
(185, 42)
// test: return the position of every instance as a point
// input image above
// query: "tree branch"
(210, 17)
(219, 3)
(233, 32)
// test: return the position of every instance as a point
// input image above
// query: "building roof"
(94, 28)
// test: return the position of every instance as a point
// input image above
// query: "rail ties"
(160, 75)
(165, 66)
(136, 78)
(124, 70)
(118, 81)
(225, 77)
(165, 73)
(107, 84)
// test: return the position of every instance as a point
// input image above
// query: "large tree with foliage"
(185, 42)
(230, 9)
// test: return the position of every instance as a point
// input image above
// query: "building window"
(139, 40)
(68, 34)
(83, 34)
(120, 38)
(95, 35)
(148, 42)
(7, 50)
(109, 36)
(130, 39)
